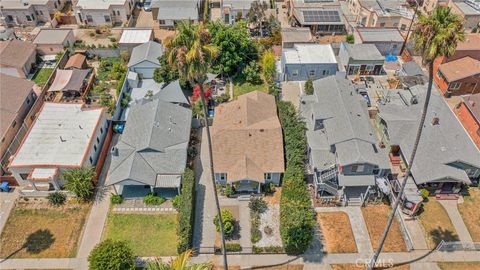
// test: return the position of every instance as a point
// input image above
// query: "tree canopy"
(111, 255)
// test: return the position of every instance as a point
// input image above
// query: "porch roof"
(168, 181)
(356, 180)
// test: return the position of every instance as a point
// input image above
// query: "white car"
(147, 5)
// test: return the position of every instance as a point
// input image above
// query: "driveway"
(144, 19)
(204, 232)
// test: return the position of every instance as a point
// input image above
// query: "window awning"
(168, 181)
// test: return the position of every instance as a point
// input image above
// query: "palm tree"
(191, 54)
(435, 36)
(179, 263)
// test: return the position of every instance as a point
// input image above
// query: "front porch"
(140, 191)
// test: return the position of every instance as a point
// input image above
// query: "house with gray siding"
(387, 40)
(308, 61)
(169, 12)
(144, 59)
(361, 59)
(343, 154)
(151, 154)
(446, 158)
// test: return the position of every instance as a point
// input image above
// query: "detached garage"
(144, 59)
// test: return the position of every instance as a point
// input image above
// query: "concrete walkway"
(457, 220)
(204, 232)
(359, 228)
(416, 233)
(7, 200)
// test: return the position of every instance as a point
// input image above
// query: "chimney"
(435, 121)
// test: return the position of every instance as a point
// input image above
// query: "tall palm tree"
(179, 263)
(191, 54)
(435, 36)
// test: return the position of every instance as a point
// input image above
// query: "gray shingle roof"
(412, 69)
(149, 51)
(346, 125)
(154, 142)
(176, 10)
(440, 144)
(363, 51)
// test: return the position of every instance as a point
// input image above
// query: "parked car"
(147, 5)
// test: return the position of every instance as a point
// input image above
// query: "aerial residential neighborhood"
(240, 134)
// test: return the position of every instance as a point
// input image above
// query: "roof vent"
(414, 100)
(435, 121)
(80, 127)
(114, 151)
(62, 140)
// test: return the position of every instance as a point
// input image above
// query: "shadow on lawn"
(35, 243)
(440, 234)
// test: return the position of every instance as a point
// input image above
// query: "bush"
(425, 193)
(269, 249)
(152, 199)
(57, 198)
(112, 39)
(222, 98)
(257, 205)
(116, 199)
(233, 247)
(228, 190)
(111, 254)
(252, 73)
(177, 202)
(350, 39)
(267, 230)
(297, 218)
(308, 87)
(228, 222)
(268, 188)
(186, 211)
(268, 66)
(79, 181)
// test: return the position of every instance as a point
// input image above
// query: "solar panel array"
(321, 16)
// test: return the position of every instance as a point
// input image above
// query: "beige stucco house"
(381, 13)
(17, 57)
(29, 13)
(53, 41)
(108, 12)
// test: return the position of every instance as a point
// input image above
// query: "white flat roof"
(310, 54)
(59, 137)
(135, 36)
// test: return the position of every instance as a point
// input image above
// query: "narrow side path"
(457, 220)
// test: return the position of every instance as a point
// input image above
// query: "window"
(98, 140)
(326, 72)
(295, 73)
(376, 171)
(24, 176)
(118, 12)
(29, 18)
(395, 25)
(382, 24)
(268, 176)
(28, 101)
(55, 5)
(91, 160)
(80, 17)
(95, 147)
(89, 18)
(403, 27)
(395, 46)
(221, 177)
(40, 12)
(454, 85)
(358, 168)
(311, 73)
(161, 22)
(101, 130)
(14, 124)
(107, 18)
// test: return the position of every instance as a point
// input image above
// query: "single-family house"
(17, 57)
(16, 98)
(28, 13)
(322, 17)
(468, 10)
(234, 10)
(76, 61)
(381, 13)
(107, 12)
(343, 153)
(169, 12)
(361, 59)
(151, 154)
(468, 112)
(411, 74)
(308, 61)
(298, 35)
(144, 59)
(446, 157)
(63, 136)
(387, 40)
(134, 37)
(6, 33)
(459, 77)
(53, 41)
(247, 143)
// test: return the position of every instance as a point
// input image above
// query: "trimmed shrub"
(308, 87)
(116, 199)
(57, 198)
(228, 190)
(152, 199)
(297, 218)
(269, 249)
(111, 254)
(233, 247)
(257, 205)
(186, 209)
(425, 193)
(177, 202)
(228, 222)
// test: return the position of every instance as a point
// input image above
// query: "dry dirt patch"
(337, 232)
(470, 213)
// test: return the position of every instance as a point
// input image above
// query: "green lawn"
(41, 77)
(436, 224)
(149, 234)
(241, 87)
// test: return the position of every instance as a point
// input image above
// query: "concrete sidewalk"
(6, 205)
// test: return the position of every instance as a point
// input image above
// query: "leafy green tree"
(435, 35)
(257, 14)
(308, 87)
(80, 182)
(179, 263)
(268, 66)
(235, 47)
(111, 255)
(165, 73)
(251, 73)
(228, 222)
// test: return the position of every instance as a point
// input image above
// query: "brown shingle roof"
(13, 92)
(247, 138)
(471, 42)
(76, 61)
(460, 69)
(15, 53)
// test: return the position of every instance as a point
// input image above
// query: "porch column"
(33, 185)
(115, 189)
(178, 190)
(259, 187)
(55, 185)
(152, 189)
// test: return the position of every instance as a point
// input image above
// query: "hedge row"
(186, 212)
(297, 218)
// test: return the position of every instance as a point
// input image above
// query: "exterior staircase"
(354, 201)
